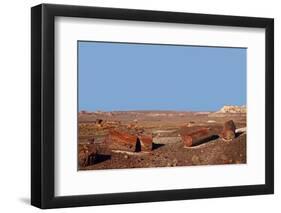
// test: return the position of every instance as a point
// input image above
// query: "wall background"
(15, 105)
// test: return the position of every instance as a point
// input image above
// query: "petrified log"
(146, 142)
(121, 141)
(228, 132)
(92, 154)
(197, 137)
(83, 158)
(128, 142)
(87, 154)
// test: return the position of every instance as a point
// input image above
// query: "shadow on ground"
(101, 157)
(156, 146)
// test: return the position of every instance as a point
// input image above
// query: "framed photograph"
(139, 106)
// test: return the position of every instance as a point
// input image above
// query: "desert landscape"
(142, 139)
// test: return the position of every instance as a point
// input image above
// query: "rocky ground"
(166, 130)
(213, 153)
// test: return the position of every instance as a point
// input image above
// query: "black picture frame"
(43, 101)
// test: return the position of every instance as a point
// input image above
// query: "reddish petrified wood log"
(197, 137)
(121, 141)
(146, 142)
(128, 142)
(228, 132)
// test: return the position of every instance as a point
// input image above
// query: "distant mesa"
(230, 110)
(233, 109)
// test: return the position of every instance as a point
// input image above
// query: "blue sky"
(124, 76)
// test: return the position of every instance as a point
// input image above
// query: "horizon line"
(153, 110)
